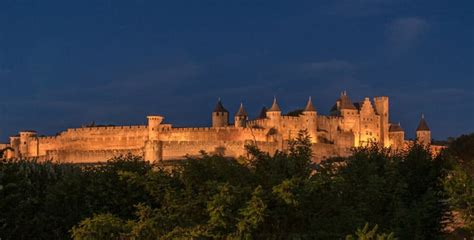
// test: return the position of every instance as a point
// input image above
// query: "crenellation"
(348, 125)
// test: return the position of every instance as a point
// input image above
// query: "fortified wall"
(348, 125)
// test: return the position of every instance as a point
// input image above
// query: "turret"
(263, 113)
(350, 123)
(154, 123)
(396, 136)
(26, 138)
(153, 147)
(381, 107)
(343, 106)
(275, 110)
(220, 116)
(241, 117)
(310, 116)
(423, 132)
(15, 144)
(274, 114)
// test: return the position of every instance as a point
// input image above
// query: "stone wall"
(212, 134)
(323, 151)
(91, 156)
(178, 150)
(331, 135)
(94, 138)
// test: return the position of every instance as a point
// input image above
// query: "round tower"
(154, 123)
(274, 112)
(220, 116)
(381, 107)
(153, 147)
(423, 132)
(310, 116)
(241, 117)
(26, 138)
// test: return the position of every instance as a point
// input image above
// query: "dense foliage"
(459, 183)
(280, 196)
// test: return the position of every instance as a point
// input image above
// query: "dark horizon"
(65, 65)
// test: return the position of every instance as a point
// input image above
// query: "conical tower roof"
(422, 126)
(263, 113)
(395, 128)
(275, 107)
(241, 112)
(219, 107)
(309, 106)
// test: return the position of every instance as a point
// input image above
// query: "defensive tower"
(274, 114)
(423, 132)
(310, 116)
(241, 117)
(153, 146)
(381, 107)
(220, 115)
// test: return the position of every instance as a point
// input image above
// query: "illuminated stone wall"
(331, 135)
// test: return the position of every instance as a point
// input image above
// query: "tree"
(252, 216)
(103, 226)
(367, 234)
(459, 182)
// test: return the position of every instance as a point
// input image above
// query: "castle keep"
(348, 125)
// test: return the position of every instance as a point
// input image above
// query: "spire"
(263, 113)
(309, 106)
(241, 112)
(220, 107)
(422, 126)
(275, 107)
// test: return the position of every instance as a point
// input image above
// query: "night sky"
(67, 63)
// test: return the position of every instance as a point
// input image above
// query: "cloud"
(404, 33)
(168, 76)
(328, 66)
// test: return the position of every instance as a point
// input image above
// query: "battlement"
(156, 140)
(291, 118)
(380, 98)
(330, 117)
(210, 129)
(48, 138)
(259, 122)
(98, 128)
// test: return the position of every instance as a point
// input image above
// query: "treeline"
(285, 196)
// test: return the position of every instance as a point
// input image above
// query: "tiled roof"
(344, 103)
(395, 128)
(220, 107)
(275, 107)
(309, 106)
(422, 126)
(241, 111)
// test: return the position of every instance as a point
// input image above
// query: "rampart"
(348, 125)
(89, 156)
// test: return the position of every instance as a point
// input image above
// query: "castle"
(348, 125)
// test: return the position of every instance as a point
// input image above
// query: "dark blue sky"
(67, 63)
